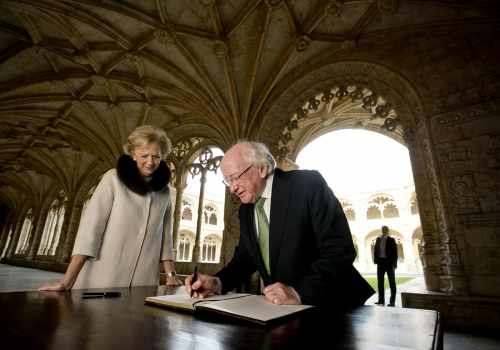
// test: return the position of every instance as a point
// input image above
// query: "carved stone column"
(442, 267)
(36, 236)
(16, 232)
(68, 224)
(65, 248)
(5, 232)
(180, 186)
(206, 162)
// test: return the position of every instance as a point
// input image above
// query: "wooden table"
(51, 320)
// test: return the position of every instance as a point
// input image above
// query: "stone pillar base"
(458, 312)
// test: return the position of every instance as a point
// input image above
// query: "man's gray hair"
(258, 154)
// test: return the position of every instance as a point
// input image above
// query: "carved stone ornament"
(208, 3)
(220, 49)
(273, 3)
(98, 80)
(387, 7)
(364, 97)
(303, 43)
(348, 45)
(164, 36)
(333, 8)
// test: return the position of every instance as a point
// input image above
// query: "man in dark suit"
(386, 258)
(292, 230)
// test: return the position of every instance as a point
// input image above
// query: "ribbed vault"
(77, 76)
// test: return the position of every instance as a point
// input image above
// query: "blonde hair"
(146, 134)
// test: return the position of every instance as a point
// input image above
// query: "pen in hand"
(195, 278)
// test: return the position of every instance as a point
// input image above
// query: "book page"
(182, 300)
(253, 307)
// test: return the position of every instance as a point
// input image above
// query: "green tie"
(263, 226)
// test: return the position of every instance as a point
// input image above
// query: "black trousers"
(384, 266)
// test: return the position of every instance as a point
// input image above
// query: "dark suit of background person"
(386, 264)
(310, 244)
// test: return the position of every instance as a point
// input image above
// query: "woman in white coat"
(126, 229)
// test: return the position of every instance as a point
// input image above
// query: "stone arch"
(293, 93)
(385, 83)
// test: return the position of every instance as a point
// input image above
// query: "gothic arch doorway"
(400, 116)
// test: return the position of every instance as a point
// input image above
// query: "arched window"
(209, 250)
(213, 219)
(205, 181)
(382, 207)
(209, 215)
(373, 212)
(348, 210)
(24, 237)
(53, 226)
(187, 211)
(6, 246)
(350, 214)
(185, 246)
(391, 211)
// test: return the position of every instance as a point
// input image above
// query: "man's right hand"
(57, 286)
(204, 286)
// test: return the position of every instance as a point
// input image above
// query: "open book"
(255, 308)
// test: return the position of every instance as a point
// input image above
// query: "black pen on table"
(195, 278)
(92, 295)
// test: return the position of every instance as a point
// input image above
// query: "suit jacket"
(391, 251)
(310, 244)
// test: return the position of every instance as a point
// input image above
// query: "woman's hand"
(66, 283)
(58, 286)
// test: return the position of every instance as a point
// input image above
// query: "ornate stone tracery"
(333, 105)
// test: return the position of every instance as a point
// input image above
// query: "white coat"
(125, 234)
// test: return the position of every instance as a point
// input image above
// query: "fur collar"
(128, 173)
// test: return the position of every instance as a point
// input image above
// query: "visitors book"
(254, 308)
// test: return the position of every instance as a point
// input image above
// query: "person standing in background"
(386, 258)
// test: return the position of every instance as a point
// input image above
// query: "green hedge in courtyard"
(373, 281)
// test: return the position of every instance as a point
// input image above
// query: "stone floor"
(13, 278)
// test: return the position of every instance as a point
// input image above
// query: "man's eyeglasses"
(229, 182)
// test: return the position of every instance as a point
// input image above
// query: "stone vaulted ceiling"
(77, 76)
